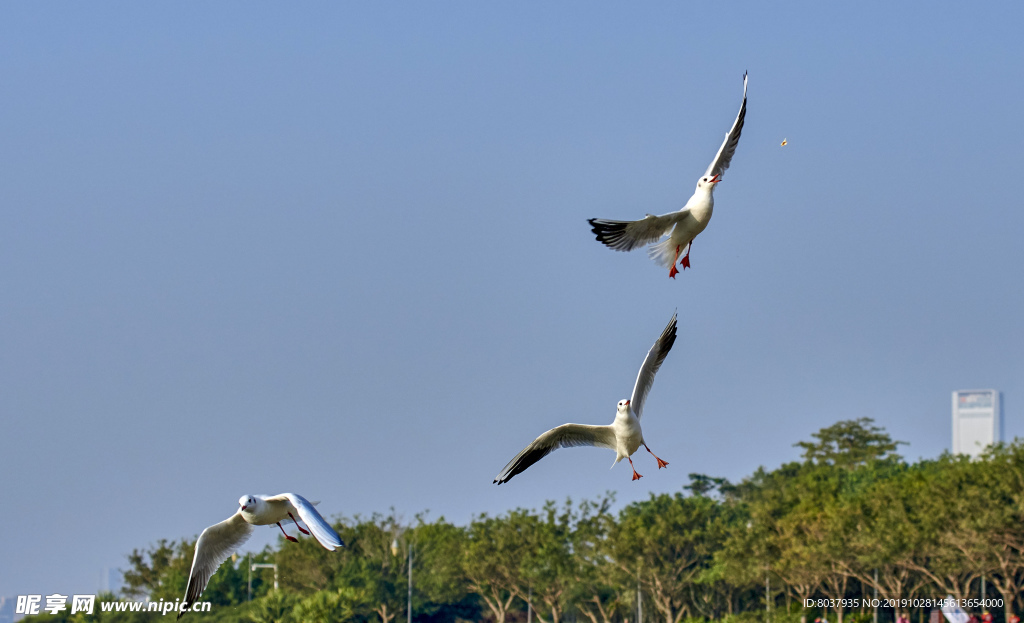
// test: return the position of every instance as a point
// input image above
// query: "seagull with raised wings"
(623, 435)
(683, 226)
(219, 541)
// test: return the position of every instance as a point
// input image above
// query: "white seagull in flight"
(623, 435)
(687, 222)
(219, 541)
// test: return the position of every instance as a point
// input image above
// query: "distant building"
(111, 581)
(7, 609)
(977, 420)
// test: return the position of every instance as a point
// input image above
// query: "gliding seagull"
(623, 435)
(687, 222)
(219, 541)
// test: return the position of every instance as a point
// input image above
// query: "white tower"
(977, 420)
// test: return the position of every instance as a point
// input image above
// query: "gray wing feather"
(322, 531)
(629, 235)
(564, 436)
(732, 139)
(655, 357)
(213, 547)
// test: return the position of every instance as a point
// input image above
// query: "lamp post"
(255, 566)
(265, 565)
(874, 615)
(639, 598)
(529, 605)
(394, 552)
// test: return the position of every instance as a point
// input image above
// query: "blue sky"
(341, 249)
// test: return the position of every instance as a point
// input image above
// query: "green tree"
(547, 564)
(274, 607)
(377, 566)
(888, 535)
(667, 541)
(493, 560)
(440, 588)
(332, 606)
(306, 567)
(162, 572)
(991, 534)
(850, 444)
(597, 582)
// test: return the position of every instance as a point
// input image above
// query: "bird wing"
(564, 436)
(655, 357)
(307, 512)
(732, 139)
(214, 546)
(284, 499)
(628, 235)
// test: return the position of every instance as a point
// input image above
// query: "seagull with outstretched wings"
(683, 226)
(219, 541)
(623, 435)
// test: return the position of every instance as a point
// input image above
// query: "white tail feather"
(664, 252)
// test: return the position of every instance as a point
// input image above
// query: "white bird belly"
(628, 436)
(695, 222)
(269, 515)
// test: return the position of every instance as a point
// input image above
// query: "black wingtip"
(607, 232)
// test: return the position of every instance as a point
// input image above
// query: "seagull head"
(707, 183)
(624, 406)
(247, 503)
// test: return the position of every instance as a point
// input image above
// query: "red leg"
(660, 462)
(290, 538)
(672, 272)
(636, 476)
(303, 530)
(686, 258)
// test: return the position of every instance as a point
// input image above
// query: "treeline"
(851, 521)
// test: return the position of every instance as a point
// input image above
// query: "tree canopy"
(851, 519)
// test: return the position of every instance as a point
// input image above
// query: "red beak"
(715, 179)
(627, 402)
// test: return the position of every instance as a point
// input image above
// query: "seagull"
(623, 435)
(219, 541)
(687, 222)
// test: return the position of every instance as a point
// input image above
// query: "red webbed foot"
(660, 462)
(636, 476)
(286, 535)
